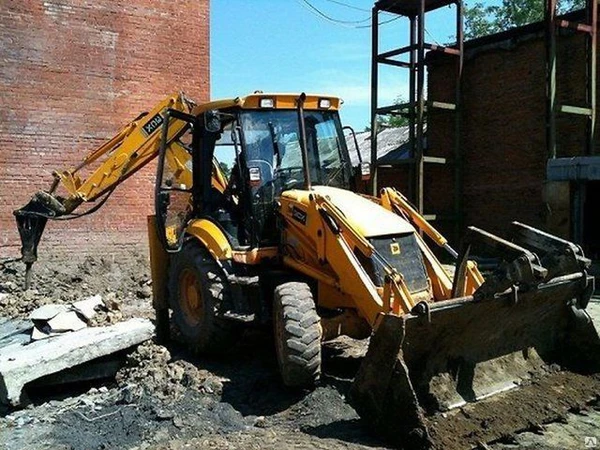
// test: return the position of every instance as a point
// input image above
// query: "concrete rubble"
(23, 363)
(54, 319)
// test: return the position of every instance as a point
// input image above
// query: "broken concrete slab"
(66, 321)
(11, 327)
(51, 320)
(13, 332)
(42, 331)
(23, 364)
(87, 307)
(101, 368)
(47, 312)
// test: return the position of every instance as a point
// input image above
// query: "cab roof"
(280, 101)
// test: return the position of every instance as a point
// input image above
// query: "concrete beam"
(23, 364)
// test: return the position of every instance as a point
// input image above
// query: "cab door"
(184, 173)
(174, 189)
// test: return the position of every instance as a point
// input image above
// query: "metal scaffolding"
(590, 29)
(418, 106)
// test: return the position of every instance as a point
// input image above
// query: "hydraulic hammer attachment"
(31, 221)
(426, 374)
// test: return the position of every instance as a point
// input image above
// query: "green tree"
(390, 121)
(482, 19)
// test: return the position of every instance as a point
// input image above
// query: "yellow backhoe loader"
(286, 240)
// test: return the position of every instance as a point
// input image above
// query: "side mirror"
(212, 121)
(364, 167)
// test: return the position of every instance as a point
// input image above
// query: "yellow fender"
(211, 237)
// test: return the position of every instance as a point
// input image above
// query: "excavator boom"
(102, 170)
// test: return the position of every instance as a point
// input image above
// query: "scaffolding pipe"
(412, 134)
(374, 95)
(458, 157)
(592, 46)
(551, 78)
(420, 105)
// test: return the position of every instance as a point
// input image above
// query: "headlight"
(324, 103)
(267, 103)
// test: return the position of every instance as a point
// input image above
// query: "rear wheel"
(297, 334)
(197, 291)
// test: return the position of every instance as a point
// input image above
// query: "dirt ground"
(125, 286)
(168, 398)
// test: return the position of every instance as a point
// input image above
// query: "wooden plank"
(20, 365)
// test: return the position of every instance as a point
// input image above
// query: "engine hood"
(369, 218)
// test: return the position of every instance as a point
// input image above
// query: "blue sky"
(284, 46)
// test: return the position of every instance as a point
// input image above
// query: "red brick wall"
(503, 130)
(72, 73)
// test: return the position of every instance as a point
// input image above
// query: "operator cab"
(271, 151)
(265, 145)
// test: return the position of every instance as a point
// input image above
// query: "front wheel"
(198, 289)
(298, 334)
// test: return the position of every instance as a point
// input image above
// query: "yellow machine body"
(439, 340)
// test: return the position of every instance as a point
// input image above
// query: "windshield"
(274, 156)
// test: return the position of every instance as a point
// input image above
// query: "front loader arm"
(394, 201)
(470, 278)
(328, 253)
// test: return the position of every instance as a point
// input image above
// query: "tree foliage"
(395, 121)
(482, 19)
(391, 121)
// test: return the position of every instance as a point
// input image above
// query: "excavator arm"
(134, 146)
(105, 168)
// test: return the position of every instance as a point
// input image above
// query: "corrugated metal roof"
(392, 146)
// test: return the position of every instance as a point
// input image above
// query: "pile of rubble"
(150, 370)
(54, 319)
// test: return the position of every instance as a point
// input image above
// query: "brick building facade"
(73, 72)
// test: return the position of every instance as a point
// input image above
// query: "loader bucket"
(429, 380)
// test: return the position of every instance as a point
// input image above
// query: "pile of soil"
(150, 370)
(125, 286)
(545, 400)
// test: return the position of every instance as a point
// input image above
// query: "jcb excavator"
(286, 240)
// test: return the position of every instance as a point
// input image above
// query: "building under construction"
(510, 122)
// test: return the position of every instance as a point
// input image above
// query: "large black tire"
(198, 289)
(298, 334)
